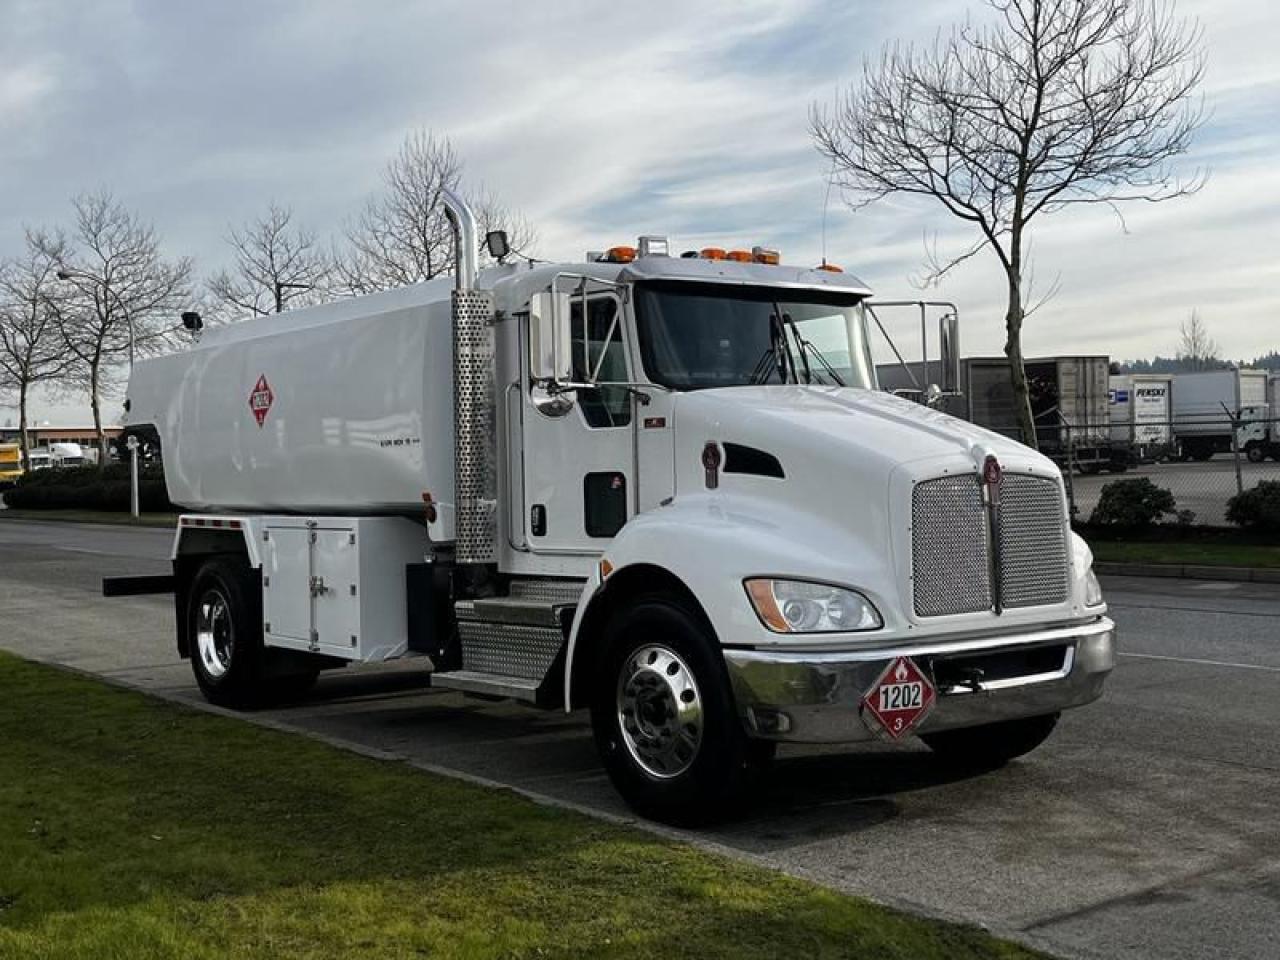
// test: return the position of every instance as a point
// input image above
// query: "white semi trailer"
(1206, 405)
(664, 489)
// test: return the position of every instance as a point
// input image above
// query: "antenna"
(826, 204)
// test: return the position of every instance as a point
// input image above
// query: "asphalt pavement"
(1147, 827)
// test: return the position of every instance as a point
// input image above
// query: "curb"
(1187, 571)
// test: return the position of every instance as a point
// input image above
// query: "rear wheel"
(993, 744)
(664, 718)
(225, 629)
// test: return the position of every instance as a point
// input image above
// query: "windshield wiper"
(806, 347)
(769, 360)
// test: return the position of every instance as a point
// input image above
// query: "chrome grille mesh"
(949, 557)
(950, 554)
(1033, 542)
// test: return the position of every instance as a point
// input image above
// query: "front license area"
(899, 699)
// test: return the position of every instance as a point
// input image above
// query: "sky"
(604, 121)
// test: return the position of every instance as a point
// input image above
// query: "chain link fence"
(1203, 463)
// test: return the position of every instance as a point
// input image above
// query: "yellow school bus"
(10, 464)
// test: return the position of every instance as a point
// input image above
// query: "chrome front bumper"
(815, 697)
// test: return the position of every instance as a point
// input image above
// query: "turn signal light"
(741, 256)
(712, 253)
(830, 267)
(761, 255)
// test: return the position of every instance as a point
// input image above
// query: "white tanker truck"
(664, 489)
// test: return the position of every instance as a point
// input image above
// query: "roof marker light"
(765, 255)
(712, 253)
(741, 256)
(620, 254)
(829, 267)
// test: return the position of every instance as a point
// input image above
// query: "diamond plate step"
(488, 684)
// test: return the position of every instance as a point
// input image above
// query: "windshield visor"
(697, 336)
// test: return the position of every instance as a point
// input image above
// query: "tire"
(991, 745)
(224, 622)
(1256, 452)
(664, 718)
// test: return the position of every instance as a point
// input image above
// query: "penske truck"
(661, 488)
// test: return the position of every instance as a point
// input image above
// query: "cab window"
(598, 341)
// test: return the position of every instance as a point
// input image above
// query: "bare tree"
(1053, 103)
(31, 349)
(402, 236)
(122, 297)
(1196, 349)
(277, 263)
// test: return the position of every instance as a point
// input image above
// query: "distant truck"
(1206, 404)
(1141, 406)
(1069, 403)
(10, 464)
(56, 455)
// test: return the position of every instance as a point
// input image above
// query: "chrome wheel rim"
(659, 711)
(215, 637)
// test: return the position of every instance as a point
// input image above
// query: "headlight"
(1092, 590)
(793, 606)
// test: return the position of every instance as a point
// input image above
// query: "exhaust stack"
(475, 477)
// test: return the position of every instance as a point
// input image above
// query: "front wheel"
(992, 744)
(663, 715)
(1256, 452)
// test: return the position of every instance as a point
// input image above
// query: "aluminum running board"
(488, 684)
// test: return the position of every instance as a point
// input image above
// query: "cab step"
(488, 685)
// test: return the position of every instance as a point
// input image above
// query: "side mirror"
(550, 347)
(949, 334)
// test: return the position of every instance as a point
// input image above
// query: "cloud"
(601, 122)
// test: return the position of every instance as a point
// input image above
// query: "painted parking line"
(1204, 663)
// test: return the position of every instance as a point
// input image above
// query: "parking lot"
(1203, 488)
(1147, 827)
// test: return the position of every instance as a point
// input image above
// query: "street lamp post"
(65, 274)
(281, 287)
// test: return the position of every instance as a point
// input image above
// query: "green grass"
(93, 516)
(133, 828)
(1200, 554)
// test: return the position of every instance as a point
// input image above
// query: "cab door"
(578, 447)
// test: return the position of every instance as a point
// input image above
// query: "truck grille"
(951, 547)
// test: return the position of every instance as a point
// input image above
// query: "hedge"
(89, 488)
(1257, 508)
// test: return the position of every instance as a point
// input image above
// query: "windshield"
(694, 336)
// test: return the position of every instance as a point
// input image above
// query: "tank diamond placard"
(260, 399)
(900, 698)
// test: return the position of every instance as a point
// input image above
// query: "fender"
(201, 534)
(711, 544)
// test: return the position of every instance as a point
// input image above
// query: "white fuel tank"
(344, 408)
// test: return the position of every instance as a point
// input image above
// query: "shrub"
(1257, 508)
(1134, 502)
(89, 488)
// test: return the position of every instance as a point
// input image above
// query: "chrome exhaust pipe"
(474, 455)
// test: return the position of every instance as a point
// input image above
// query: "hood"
(869, 430)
